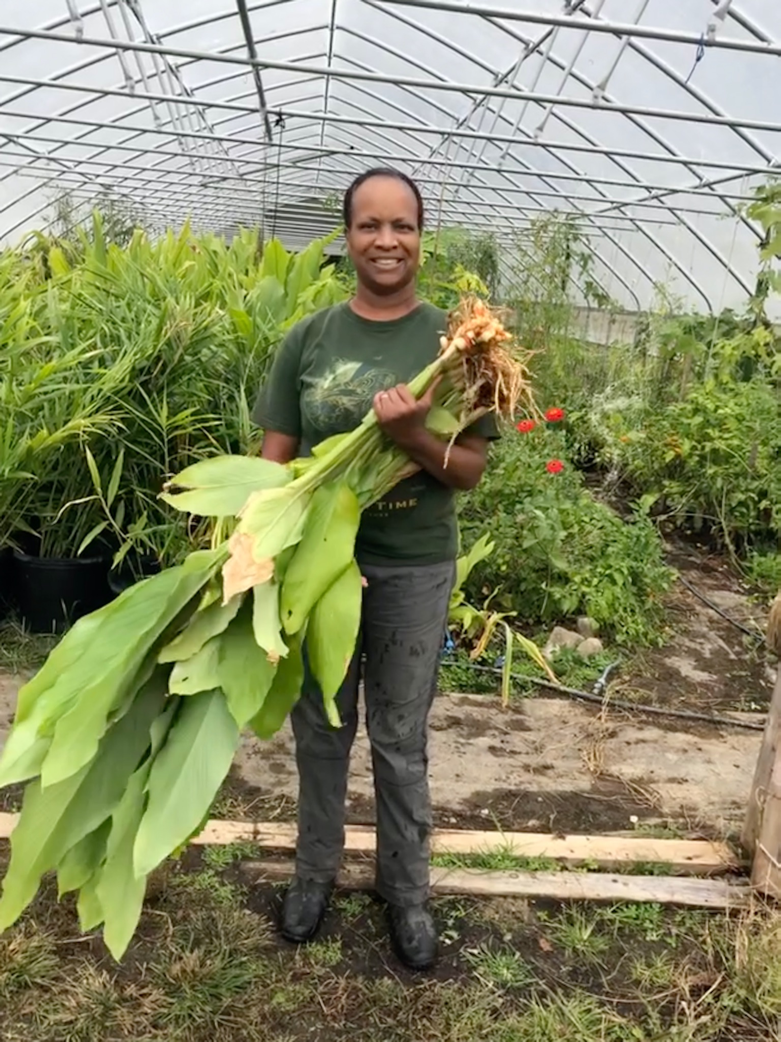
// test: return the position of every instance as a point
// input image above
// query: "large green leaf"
(269, 301)
(275, 520)
(81, 862)
(265, 619)
(55, 819)
(206, 623)
(199, 672)
(88, 905)
(283, 693)
(185, 776)
(275, 261)
(82, 697)
(325, 551)
(304, 270)
(333, 630)
(221, 485)
(119, 891)
(245, 673)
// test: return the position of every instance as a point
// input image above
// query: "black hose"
(637, 707)
(748, 630)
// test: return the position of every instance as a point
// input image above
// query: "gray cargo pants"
(404, 617)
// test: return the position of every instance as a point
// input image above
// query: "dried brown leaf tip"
(242, 571)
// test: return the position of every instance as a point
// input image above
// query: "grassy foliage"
(212, 968)
(121, 366)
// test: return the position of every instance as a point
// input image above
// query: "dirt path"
(543, 764)
(707, 662)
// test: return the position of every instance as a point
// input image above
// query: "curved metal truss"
(648, 123)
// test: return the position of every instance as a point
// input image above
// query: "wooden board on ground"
(692, 857)
(557, 886)
(682, 856)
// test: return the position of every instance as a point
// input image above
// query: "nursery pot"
(53, 592)
(7, 582)
(119, 579)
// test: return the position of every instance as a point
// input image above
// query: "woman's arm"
(279, 448)
(403, 419)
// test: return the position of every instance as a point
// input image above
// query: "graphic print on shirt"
(340, 398)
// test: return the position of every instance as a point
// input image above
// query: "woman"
(332, 368)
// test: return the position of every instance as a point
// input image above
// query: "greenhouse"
(390, 521)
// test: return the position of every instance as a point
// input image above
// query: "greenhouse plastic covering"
(650, 122)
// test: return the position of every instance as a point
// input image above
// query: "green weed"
(499, 967)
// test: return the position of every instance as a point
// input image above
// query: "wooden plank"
(558, 886)
(695, 857)
(766, 869)
(769, 755)
(691, 857)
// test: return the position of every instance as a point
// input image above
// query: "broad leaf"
(85, 693)
(275, 261)
(332, 633)
(221, 485)
(325, 551)
(265, 620)
(185, 776)
(55, 819)
(88, 905)
(82, 861)
(274, 519)
(304, 270)
(206, 623)
(244, 673)
(269, 300)
(119, 891)
(198, 673)
(283, 693)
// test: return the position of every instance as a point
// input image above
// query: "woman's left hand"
(400, 415)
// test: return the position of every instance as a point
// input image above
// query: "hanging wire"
(698, 57)
(279, 124)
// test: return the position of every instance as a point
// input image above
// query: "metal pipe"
(421, 84)
(613, 28)
(246, 27)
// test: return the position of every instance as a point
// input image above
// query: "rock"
(560, 638)
(590, 647)
(588, 627)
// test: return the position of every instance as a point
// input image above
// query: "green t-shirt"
(323, 382)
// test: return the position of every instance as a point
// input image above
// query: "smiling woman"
(334, 367)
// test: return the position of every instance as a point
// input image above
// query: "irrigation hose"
(636, 707)
(748, 630)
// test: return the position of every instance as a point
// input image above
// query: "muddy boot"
(413, 935)
(305, 904)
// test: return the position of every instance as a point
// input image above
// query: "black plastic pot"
(119, 579)
(7, 582)
(53, 592)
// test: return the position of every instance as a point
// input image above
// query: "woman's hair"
(380, 171)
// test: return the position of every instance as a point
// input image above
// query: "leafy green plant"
(558, 551)
(123, 364)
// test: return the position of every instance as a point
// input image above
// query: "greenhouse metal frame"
(649, 123)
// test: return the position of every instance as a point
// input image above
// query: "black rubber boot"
(305, 904)
(413, 936)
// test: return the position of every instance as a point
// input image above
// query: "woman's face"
(383, 239)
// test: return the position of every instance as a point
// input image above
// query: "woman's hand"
(401, 416)
(459, 465)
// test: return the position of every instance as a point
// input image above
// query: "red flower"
(554, 415)
(525, 426)
(554, 466)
